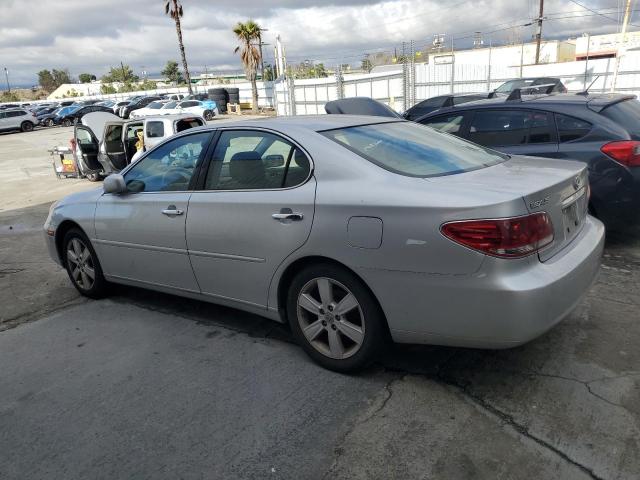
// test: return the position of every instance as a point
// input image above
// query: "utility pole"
(261, 56)
(6, 74)
(623, 34)
(123, 74)
(539, 32)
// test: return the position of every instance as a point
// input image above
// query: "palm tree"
(173, 8)
(248, 33)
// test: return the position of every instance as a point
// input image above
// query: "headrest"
(301, 159)
(247, 169)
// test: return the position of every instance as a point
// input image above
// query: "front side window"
(168, 168)
(250, 160)
(445, 123)
(83, 137)
(155, 129)
(414, 150)
(509, 127)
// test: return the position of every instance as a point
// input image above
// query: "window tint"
(189, 104)
(16, 113)
(445, 123)
(570, 128)
(83, 137)
(414, 150)
(245, 160)
(168, 167)
(155, 129)
(509, 127)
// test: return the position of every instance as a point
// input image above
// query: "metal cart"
(64, 163)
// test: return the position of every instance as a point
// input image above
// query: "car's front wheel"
(66, 122)
(335, 318)
(208, 115)
(82, 265)
(50, 123)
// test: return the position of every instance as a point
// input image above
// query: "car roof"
(595, 102)
(318, 123)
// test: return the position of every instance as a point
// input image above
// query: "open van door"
(112, 150)
(85, 151)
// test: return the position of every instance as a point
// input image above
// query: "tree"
(172, 72)
(107, 89)
(308, 69)
(123, 74)
(173, 8)
(248, 33)
(366, 64)
(269, 74)
(86, 78)
(50, 80)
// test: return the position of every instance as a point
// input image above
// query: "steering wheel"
(178, 174)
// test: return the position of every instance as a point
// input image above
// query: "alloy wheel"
(81, 264)
(330, 318)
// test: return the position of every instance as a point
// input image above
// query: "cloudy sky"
(90, 35)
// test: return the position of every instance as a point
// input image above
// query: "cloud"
(91, 36)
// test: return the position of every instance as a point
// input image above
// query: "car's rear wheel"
(26, 126)
(82, 264)
(335, 318)
(208, 115)
(66, 122)
(50, 122)
(93, 176)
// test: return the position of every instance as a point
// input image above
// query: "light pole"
(260, 45)
(6, 74)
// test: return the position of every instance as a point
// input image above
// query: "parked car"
(533, 85)
(7, 106)
(72, 117)
(126, 110)
(434, 103)
(173, 96)
(207, 110)
(601, 130)
(104, 143)
(42, 112)
(17, 119)
(117, 105)
(350, 228)
(152, 109)
(51, 119)
(66, 103)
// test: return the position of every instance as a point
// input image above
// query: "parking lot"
(148, 385)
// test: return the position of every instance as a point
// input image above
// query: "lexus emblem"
(577, 182)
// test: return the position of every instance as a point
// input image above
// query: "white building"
(605, 46)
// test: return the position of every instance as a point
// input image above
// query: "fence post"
(339, 82)
(453, 67)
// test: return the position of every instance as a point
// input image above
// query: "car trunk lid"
(557, 187)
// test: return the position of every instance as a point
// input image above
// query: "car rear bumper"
(497, 307)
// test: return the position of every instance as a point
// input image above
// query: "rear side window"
(571, 128)
(510, 127)
(16, 113)
(413, 150)
(627, 115)
(445, 123)
(155, 129)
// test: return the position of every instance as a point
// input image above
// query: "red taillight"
(626, 152)
(503, 237)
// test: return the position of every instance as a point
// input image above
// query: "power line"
(601, 14)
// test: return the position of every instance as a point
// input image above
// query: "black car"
(71, 118)
(434, 103)
(138, 103)
(41, 112)
(602, 130)
(532, 85)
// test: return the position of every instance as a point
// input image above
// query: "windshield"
(627, 115)
(170, 105)
(414, 150)
(155, 105)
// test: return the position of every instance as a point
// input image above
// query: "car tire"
(339, 333)
(26, 126)
(93, 176)
(66, 122)
(208, 115)
(50, 123)
(80, 261)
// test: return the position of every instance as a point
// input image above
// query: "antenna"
(585, 92)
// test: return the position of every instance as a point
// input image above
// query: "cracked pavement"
(147, 385)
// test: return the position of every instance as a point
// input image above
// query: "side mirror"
(114, 183)
(273, 161)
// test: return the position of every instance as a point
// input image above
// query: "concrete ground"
(147, 385)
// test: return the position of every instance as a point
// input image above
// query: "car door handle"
(287, 216)
(172, 211)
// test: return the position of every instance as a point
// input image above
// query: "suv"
(601, 130)
(530, 84)
(17, 119)
(136, 104)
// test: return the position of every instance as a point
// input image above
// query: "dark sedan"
(70, 118)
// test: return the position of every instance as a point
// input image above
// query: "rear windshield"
(414, 150)
(627, 115)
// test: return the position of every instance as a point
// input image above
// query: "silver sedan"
(354, 230)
